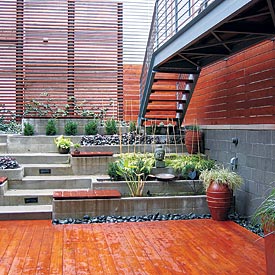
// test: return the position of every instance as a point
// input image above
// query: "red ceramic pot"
(219, 200)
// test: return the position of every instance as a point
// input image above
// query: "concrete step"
(3, 148)
(47, 169)
(28, 212)
(14, 197)
(52, 182)
(3, 138)
(41, 158)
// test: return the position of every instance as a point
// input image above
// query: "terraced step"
(3, 148)
(41, 158)
(14, 197)
(27, 212)
(52, 182)
(47, 169)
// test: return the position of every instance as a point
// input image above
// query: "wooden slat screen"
(7, 57)
(65, 54)
(85, 55)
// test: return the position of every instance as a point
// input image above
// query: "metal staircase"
(187, 35)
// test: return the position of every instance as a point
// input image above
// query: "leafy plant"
(189, 166)
(62, 142)
(51, 128)
(91, 128)
(265, 213)
(112, 171)
(221, 176)
(134, 169)
(111, 127)
(71, 128)
(28, 129)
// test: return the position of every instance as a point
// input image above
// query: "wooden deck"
(168, 247)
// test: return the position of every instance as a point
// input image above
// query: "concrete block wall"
(256, 161)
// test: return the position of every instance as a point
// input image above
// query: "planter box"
(166, 188)
(137, 206)
(40, 125)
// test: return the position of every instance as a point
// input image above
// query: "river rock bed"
(242, 221)
(128, 138)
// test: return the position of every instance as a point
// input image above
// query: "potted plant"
(265, 214)
(76, 148)
(193, 139)
(219, 184)
(63, 144)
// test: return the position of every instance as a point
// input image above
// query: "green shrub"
(112, 171)
(91, 128)
(71, 128)
(28, 129)
(111, 127)
(51, 129)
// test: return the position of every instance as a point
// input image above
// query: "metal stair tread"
(25, 209)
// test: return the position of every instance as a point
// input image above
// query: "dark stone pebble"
(242, 221)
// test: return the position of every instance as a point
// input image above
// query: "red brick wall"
(237, 91)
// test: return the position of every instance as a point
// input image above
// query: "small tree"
(28, 129)
(51, 129)
(71, 128)
(91, 128)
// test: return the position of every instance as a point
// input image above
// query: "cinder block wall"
(256, 161)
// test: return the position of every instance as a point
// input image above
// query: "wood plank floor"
(167, 247)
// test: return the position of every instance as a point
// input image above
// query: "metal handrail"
(169, 17)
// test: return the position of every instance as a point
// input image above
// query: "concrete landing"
(28, 212)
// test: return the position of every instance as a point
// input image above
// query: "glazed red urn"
(219, 200)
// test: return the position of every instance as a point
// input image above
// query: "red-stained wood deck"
(168, 247)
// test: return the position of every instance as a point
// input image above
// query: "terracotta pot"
(269, 241)
(193, 141)
(219, 200)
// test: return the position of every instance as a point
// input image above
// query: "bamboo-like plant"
(134, 168)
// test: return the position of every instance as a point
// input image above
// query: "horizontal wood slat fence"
(71, 57)
(239, 90)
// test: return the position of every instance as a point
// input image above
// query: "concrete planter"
(40, 125)
(169, 202)
(137, 206)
